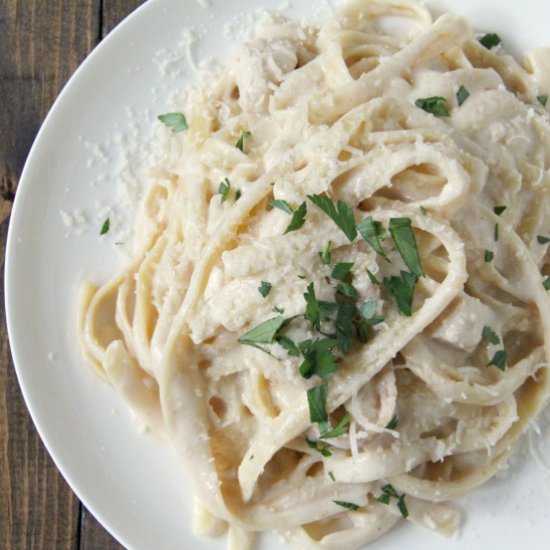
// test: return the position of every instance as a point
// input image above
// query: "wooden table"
(42, 42)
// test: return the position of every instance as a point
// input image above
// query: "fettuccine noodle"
(432, 347)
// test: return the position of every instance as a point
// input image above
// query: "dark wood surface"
(42, 42)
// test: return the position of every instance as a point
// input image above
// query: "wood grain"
(42, 42)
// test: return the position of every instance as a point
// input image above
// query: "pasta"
(337, 309)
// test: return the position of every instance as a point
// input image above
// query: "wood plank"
(92, 535)
(41, 44)
(115, 12)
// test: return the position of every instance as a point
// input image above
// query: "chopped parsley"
(175, 121)
(264, 333)
(392, 424)
(462, 95)
(341, 270)
(224, 188)
(402, 507)
(498, 360)
(341, 214)
(498, 210)
(546, 283)
(322, 449)
(423, 210)
(543, 240)
(238, 195)
(490, 40)
(265, 288)
(241, 144)
(281, 205)
(496, 234)
(489, 255)
(372, 231)
(348, 505)
(288, 345)
(105, 227)
(368, 312)
(339, 429)
(298, 218)
(388, 491)
(331, 475)
(325, 254)
(405, 241)
(279, 310)
(402, 289)
(348, 290)
(490, 336)
(319, 360)
(542, 99)
(317, 402)
(372, 277)
(434, 105)
(344, 325)
(312, 307)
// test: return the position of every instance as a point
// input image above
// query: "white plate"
(130, 482)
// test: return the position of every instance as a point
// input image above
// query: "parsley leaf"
(372, 277)
(281, 205)
(341, 270)
(318, 360)
(224, 188)
(434, 105)
(323, 449)
(402, 507)
(264, 333)
(405, 241)
(317, 402)
(312, 307)
(498, 210)
(105, 227)
(543, 240)
(348, 290)
(388, 492)
(490, 40)
(339, 429)
(546, 283)
(498, 360)
(368, 312)
(372, 231)
(341, 214)
(265, 288)
(348, 505)
(542, 99)
(462, 95)
(490, 336)
(489, 255)
(288, 345)
(402, 289)
(344, 325)
(325, 254)
(175, 121)
(298, 219)
(245, 136)
(392, 424)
